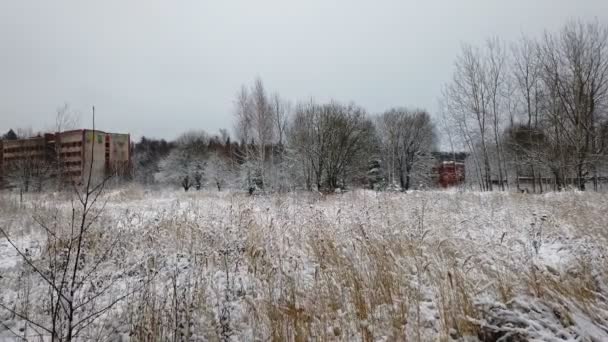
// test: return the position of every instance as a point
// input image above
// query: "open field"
(421, 266)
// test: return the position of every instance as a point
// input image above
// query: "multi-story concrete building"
(67, 155)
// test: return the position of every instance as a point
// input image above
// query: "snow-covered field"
(421, 266)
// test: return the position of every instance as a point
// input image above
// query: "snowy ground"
(356, 266)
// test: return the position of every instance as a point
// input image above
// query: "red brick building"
(449, 173)
(449, 170)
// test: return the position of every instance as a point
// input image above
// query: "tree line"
(279, 147)
(530, 115)
(533, 113)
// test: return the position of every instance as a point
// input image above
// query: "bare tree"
(280, 111)
(280, 116)
(551, 107)
(526, 71)
(254, 128)
(224, 136)
(69, 268)
(390, 134)
(65, 118)
(468, 101)
(262, 124)
(578, 61)
(305, 141)
(258, 120)
(243, 115)
(331, 141)
(243, 127)
(408, 138)
(494, 71)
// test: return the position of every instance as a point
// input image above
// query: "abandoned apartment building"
(66, 156)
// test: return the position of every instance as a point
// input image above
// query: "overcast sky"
(158, 68)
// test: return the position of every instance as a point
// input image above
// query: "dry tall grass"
(358, 266)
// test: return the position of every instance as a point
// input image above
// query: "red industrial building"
(449, 170)
(449, 173)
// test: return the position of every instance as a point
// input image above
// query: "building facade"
(66, 157)
(449, 169)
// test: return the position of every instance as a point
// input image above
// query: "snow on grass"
(356, 266)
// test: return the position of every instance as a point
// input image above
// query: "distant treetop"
(10, 135)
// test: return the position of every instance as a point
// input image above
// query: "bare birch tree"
(525, 69)
(494, 77)
(575, 70)
(255, 126)
(65, 118)
(468, 101)
(549, 101)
